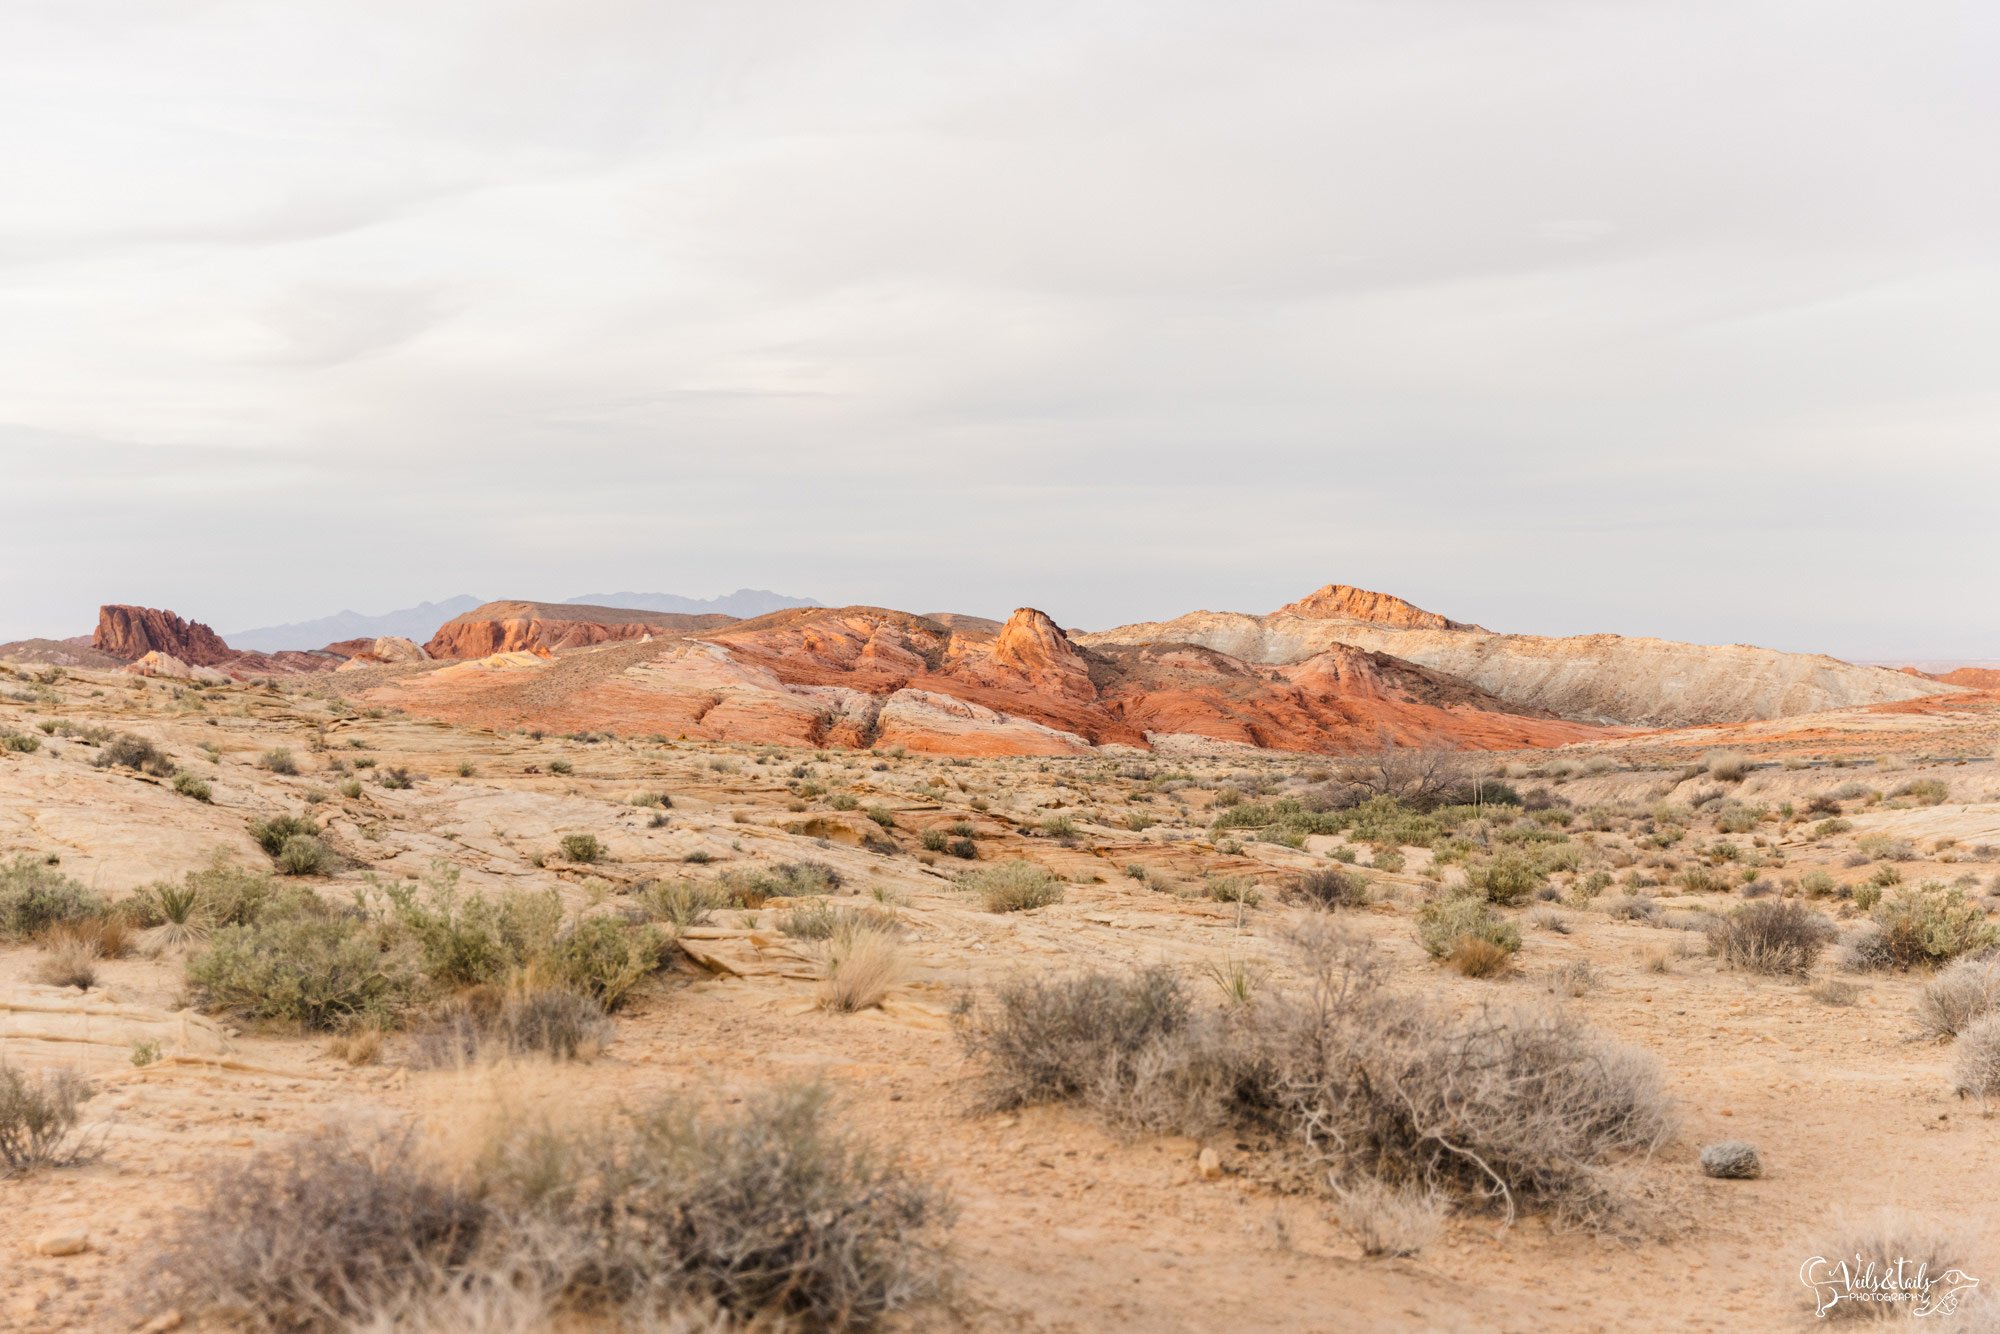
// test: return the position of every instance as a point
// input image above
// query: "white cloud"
(1556, 316)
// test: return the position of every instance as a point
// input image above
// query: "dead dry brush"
(1508, 1105)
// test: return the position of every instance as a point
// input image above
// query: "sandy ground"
(1063, 1225)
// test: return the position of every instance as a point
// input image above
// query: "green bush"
(467, 940)
(605, 957)
(583, 848)
(1443, 923)
(279, 761)
(1511, 876)
(1930, 924)
(272, 831)
(188, 785)
(19, 742)
(35, 897)
(304, 854)
(303, 962)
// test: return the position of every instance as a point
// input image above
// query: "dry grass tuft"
(1390, 1220)
(1958, 997)
(863, 963)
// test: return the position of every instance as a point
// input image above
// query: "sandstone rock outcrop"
(506, 627)
(1608, 679)
(1343, 602)
(868, 676)
(380, 651)
(130, 633)
(168, 667)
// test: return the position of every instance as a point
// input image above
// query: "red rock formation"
(1340, 602)
(504, 627)
(1975, 678)
(130, 633)
(1032, 653)
(865, 676)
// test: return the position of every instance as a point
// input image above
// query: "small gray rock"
(1732, 1160)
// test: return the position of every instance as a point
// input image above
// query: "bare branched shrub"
(1390, 1220)
(670, 1219)
(1957, 997)
(1419, 776)
(1976, 1069)
(1505, 1106)
(1329, 889)
(1779, 936)
(38, 1120)
(1573, 979)
(768, 1212)
(333, 1228)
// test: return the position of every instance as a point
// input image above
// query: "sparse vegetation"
(1771, 936)
(768, 1214)
(39, 1115)
(1014, 886)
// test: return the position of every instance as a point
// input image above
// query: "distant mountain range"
(421, 621)
(744, 602)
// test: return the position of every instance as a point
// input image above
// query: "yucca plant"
(182, 922)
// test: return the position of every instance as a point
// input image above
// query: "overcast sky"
(1677, 318)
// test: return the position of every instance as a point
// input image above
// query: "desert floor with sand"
(1637, 847)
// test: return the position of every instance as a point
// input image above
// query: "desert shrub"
(19, 742)
(522, 1020)
(1701, 880)
(35, 896)
(1511, 876)
(320, 1234)
(963, 848)
(464, 941)
(1091, 1036)
(1726, 766)
(770, 1212)
(1924, 791)
(585, 848)
(1931, 924)
(1014, 886)
(1957, 997)
(134, 752)
(1328, 889)
(396, 778)
(1629, 907)
(1443, 923)
(38, 1120)
(881, 815)
(188, 785)
(1817, 885)
(272, 832)
(1233, 889)
(1475, 956)
(863, 962)
(69, 959)
(1732, 1160)
(1771, 936)
(1548, 919)
(1976, 1068)
(279, 761)
(1578, 977)
(683, 903)
(1505, 1105)
(605, 957)
(563, 767)
(303, 962)
(785, 880)
(304, 854)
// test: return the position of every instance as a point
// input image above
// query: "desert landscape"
(985, 975)
(873, 668)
